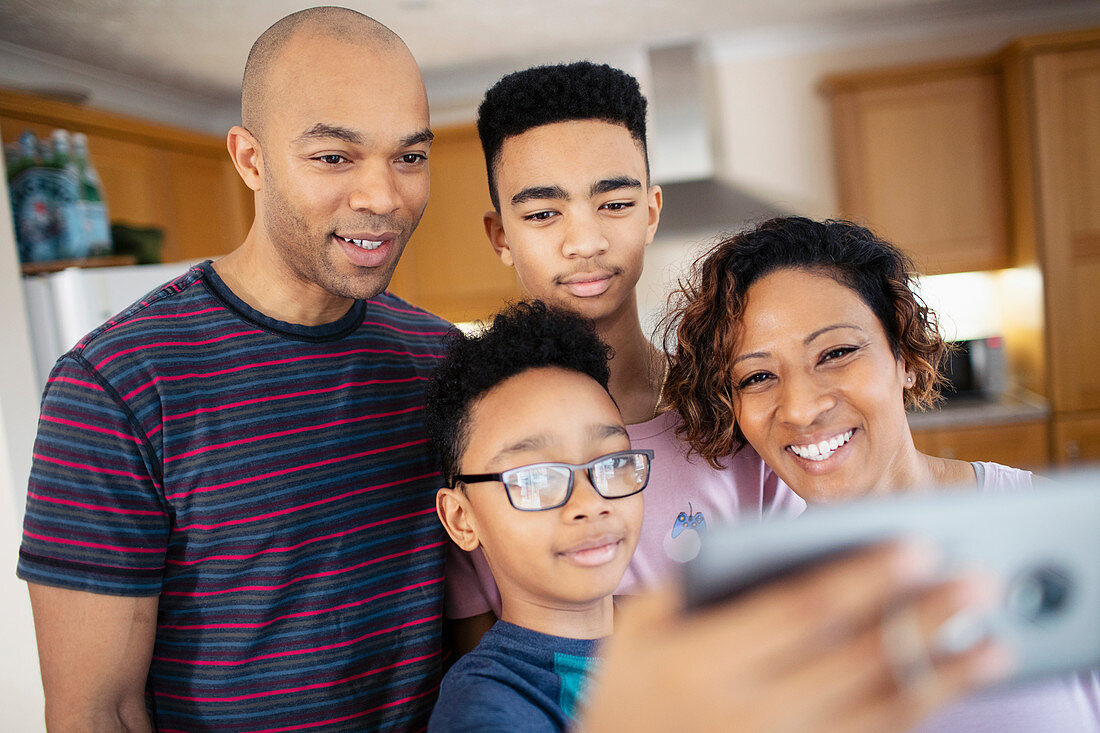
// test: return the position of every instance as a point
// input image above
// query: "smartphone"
(1043, 544)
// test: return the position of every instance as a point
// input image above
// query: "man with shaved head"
(230, 522)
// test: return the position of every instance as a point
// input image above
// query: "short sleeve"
(95, 517)
(470, 588)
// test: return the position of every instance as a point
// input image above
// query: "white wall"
(20, 688)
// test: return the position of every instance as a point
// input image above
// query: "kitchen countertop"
(1016, 406)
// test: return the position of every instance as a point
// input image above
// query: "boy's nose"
(585, 502)
(584, 238)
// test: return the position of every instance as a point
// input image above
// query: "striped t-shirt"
(273, 484)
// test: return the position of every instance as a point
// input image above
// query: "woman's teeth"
(362, 243)
(824, 449)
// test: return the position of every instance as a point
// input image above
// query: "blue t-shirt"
(514, 680)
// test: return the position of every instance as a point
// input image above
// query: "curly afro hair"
(526, 335)
(704, 323)
(543, 95)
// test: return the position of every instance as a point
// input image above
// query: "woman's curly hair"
(703, 323)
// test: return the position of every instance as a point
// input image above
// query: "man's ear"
(453, 508)
(655, 200)
(244, 149)
(494, 230)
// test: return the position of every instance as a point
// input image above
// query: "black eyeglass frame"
(474, 478)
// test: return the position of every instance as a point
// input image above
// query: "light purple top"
(683, 497)
(1064, 704)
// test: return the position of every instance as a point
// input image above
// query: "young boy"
(540, 475)
(573, 212)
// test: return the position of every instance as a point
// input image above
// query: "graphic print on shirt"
(683, 541)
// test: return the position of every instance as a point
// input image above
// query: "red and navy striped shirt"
(273, 484)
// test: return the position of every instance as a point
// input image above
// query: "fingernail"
(963, 631)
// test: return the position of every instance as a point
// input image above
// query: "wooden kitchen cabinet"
(920, 158)
(153, 175)
(448, 267)
(1058, 79)
(1020, 445)
(1076, 439)
(1027, 146)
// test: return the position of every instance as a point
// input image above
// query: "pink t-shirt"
(683, 497)
(1065, 704)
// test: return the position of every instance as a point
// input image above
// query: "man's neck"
(637, 367)
(258, 276)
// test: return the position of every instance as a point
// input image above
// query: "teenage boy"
(540, 475)
(565, 149)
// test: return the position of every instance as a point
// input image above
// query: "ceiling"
(199, 46)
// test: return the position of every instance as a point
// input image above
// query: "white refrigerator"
(64, 306)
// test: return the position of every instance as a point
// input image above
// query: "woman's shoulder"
(998, 477)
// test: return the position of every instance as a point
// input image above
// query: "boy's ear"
(456, 515)
(494, 230)
(654, 200)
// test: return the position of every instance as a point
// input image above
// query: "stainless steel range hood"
(684, 147)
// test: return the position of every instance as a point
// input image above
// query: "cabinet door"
(153, 175)
(448, 267)
(211, 208)
(1077, 439)
(920, 160)
(1020, 445)
(1067, 139)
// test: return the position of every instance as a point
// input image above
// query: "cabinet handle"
(1072, 450)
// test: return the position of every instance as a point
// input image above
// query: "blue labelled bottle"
(11, 158)
(24, 154)
(34, 191)
(96, 228)
(72, 242)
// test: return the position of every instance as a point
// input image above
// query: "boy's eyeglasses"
(541, 486)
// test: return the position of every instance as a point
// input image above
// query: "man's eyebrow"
(418, 137)
(613, 184)
(323, 130)
(540, 192)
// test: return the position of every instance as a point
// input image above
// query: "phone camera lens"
(1039, 593)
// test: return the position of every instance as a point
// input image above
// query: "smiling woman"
(806, 340)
